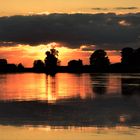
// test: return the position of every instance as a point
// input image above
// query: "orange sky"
(14, 7)
(27, 54)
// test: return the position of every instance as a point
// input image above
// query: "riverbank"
(113, 68)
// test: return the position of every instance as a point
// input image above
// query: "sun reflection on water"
(63, 86)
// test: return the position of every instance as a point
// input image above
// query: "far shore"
(113, 68)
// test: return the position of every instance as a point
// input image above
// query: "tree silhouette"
(3, 62)
(75, 63)
(136, 57)
(20, 67)
(99, 59)
(51, 61)
(38, 66)
(127, 56)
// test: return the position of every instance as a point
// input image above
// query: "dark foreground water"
(69, 106)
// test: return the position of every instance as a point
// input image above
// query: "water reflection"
(108, 84)
(63, 86)
(99, 83)
(69, 99)
(22, 86)
(130, 84)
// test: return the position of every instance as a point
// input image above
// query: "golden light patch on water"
(32, 86)
(66, 133)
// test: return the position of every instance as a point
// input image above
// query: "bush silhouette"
(99, 59)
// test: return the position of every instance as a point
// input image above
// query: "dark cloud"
(71, 29)
(88, 47)
(116, 8)
(126, 8)
(99, 9)
(9, 44)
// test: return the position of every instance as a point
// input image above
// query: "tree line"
(98, 62)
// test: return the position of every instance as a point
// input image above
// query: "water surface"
(78, 106)
(61, 86)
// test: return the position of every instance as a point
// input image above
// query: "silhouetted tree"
(3, 62)
(3, 65)
(11, 68)
(127, 55)
(51, 61)
(75, 63)
(136, 57)
(20, 67)
(99, 59)
(38, 66)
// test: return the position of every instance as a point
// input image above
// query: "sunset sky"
(76, 28)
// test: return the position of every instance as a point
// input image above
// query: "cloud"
(124, 23)
(73, 30)
(87, 48)
(114, 9)
(99, 9)
(126, 8)
(5, 44)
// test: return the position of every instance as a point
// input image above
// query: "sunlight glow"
(26, 54)
(124, 23)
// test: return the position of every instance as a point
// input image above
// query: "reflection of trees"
(51, 87)
(68, 86)
(99, 83)
(130, 85)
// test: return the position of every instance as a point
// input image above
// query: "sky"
(12, 7)
(76, 28)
